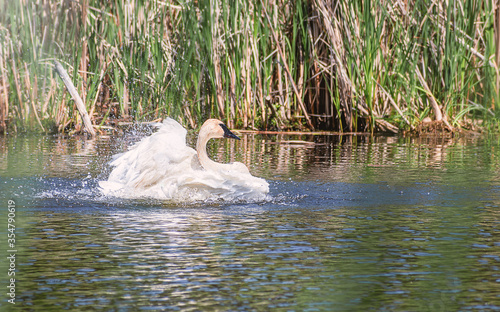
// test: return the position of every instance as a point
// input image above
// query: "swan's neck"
(201, 149)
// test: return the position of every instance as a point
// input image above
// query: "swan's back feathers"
(163, 166)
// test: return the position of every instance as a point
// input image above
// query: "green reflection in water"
(365, 224)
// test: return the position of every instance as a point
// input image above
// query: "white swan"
(162, 166)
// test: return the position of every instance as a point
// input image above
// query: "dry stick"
(32, 97)
(295, 90)
(393, 103)
(48, 96)
(379, 122)
(101, 77)
(78, 100)
(434, 104)
(285, 133)
(259, 92)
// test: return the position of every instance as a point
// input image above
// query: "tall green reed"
(347, 65)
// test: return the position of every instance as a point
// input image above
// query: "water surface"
(355, 223)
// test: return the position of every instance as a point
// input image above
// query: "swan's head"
(213, 128)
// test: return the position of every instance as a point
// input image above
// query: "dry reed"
(333, 65)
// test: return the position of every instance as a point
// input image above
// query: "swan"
(162, 166)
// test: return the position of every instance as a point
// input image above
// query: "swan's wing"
(244, 184)
(154, 158)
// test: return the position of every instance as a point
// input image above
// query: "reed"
(363, 65)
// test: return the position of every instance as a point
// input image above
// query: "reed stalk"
(337, 65)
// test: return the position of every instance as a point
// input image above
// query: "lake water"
(355, 223)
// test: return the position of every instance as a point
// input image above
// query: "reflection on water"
(356, 223)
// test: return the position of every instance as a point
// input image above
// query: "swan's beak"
(228, 134)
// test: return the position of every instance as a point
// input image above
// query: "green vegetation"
(363, 65)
